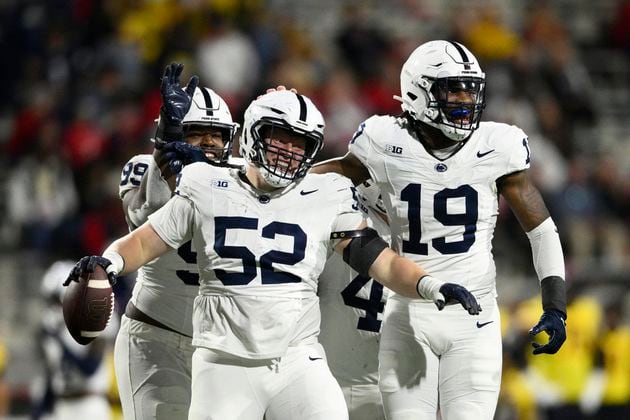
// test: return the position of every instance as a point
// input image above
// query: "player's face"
(461, 97)
(284, 149)
(210, 139)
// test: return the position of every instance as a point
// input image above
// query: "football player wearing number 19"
(440, 171)
(262, 237)
(153, 352)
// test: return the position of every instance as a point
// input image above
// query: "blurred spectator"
(488, 37)
(344, 112)
(362, 42)
(228, 61)
(607, 395)
(41, 191)
(561, 87)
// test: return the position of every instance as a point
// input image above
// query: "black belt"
(137, 315)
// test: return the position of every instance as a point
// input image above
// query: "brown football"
(88, 305)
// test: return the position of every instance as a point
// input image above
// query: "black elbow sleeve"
(363, 250)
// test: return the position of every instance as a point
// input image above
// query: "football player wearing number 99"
(440, 171)
(153, 352)
(262, 237)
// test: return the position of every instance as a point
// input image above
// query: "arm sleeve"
(546, 250)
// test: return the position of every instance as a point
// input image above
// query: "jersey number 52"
(268, 274)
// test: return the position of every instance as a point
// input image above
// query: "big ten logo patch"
(219, 183)
(396, 150)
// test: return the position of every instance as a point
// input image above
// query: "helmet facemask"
(457, 119)
(279, 165)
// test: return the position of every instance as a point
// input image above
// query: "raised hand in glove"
(551, 322)
(86, 265)
(441, 293)
(176, 102)
(178, 154)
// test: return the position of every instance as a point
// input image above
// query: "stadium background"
(79, 87)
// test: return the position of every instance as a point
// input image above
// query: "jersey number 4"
(372, 306)
(468, 219)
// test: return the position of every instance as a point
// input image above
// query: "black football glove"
(455, 292)
(179, 154)
(176, 102)
(86, 265)
(552, 322)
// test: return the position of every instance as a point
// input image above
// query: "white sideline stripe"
(90, 333)
(99, 284)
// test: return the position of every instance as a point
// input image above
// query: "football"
(88, 305)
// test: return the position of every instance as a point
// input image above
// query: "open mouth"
(460, 116)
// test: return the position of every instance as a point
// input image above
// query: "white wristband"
(118, 263)
(428, 287)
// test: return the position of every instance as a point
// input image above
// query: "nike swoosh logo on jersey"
(483, 324)
(308, 192)
(314, 358)
(480, 155)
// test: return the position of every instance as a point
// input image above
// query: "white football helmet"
(429, 73)
(51, 286)
(209, 109)
(292, 112)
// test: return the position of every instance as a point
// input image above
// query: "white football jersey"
(165, 287)
(442, 212)
(352, 308)
(262, 254)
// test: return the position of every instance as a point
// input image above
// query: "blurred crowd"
(80, 89)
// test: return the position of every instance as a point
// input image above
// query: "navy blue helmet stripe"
(302, 107)
(463, 54)
(208, 100)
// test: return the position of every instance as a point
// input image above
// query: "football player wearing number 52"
(440, 170)
(262, 237)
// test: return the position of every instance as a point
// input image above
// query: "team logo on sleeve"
(219, 183)
(393, 149)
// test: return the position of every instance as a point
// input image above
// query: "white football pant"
(364, 402)
(153, 371)
(298, 385)
(424, 350)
